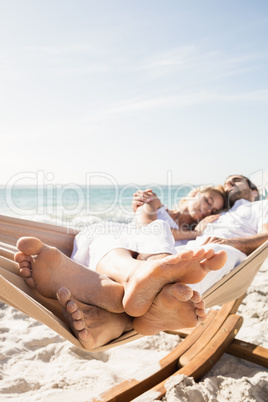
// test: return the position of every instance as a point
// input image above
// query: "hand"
(203, 224)
(141, 197)
(214, 239)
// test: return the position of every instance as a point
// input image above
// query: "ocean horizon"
(73, 204)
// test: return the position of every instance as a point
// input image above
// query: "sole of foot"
(176, 306)
(185, 267)
(91, 325)
(46, 269)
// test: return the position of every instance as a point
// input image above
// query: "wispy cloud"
(197, 60)
(133, 106)
(194, 62)
(171, 59)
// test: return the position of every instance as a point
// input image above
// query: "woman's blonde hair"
(203, 189)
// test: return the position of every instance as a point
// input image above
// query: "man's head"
(238, 186)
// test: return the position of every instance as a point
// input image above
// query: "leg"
(176, 306)
(119, 264)
(46, 269)
(145, 257)
(93, 326)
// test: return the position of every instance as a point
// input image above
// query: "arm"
(148, 211)
(179, 234)
(245, 244)
(186, 234)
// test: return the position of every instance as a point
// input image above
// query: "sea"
(73, 205)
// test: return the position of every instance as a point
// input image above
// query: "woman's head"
(205, 201)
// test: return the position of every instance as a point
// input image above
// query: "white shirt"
(244, 219)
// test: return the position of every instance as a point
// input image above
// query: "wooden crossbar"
(249, 351)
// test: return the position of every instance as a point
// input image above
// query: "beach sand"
(39, 365)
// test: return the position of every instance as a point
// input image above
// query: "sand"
(38, 365)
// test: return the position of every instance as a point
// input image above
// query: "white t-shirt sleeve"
(164, 216)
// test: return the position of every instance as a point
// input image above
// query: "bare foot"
(92, 326)
(151, 276)
(46, 269)
(176, 306)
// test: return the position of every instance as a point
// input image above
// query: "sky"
(124, 91)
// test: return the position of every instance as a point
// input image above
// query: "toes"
(199, 254)
(77, 315)
(79, 325)
(198, 302)
(30, 282)
(25, 267)
(63, 296)
(21, 257)
(174, 259)
(71, 306)
(66, 300)
(202, 319)
(216, 262)
(181, 291)
(26, 272)
(196, 297)
(200, 305)
(186, 255)
(208, 254)
(203, 254)
(83, 335)
(30, 245)
(25, 264)
(201, 314)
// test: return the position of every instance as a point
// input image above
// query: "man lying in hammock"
(155, 295)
